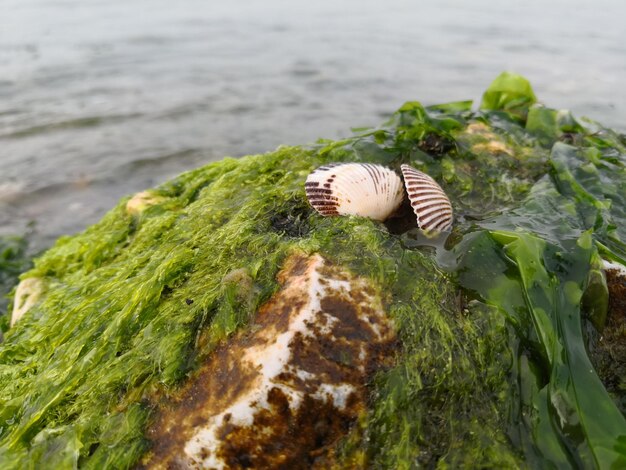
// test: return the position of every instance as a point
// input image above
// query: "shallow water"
(101, 99)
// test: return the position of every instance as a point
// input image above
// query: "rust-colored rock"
(616, 281)
(280, 395)
(609, 352)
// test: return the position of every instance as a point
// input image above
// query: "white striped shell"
(430, 204)
(362, 189)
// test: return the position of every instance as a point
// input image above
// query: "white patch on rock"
(612, 265)
(27, 294)
(141, 201)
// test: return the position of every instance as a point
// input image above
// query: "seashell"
(362, 189)
(430, 204)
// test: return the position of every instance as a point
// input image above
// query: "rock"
(142, 200)
(282, 394)
(27, 294)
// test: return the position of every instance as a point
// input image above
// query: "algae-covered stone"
(468, 351)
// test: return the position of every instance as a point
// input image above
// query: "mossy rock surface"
(493, 323)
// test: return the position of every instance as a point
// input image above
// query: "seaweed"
(14, 260)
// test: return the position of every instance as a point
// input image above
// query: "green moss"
(137, 302)
(13, 261)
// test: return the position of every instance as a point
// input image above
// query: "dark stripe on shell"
(426, 210)
(319, 191)
(374, 174)
(442, 225)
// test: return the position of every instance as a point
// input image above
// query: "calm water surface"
(100, 99)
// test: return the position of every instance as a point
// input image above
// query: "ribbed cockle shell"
(430, 204)
(355, 189)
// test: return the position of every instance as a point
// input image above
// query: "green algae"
(14, 260)
(491, 368)
(511, 93)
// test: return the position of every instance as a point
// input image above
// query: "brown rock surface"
(282, 393)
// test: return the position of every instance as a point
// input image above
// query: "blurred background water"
(102, 98)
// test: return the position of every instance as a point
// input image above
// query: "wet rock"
(283, 393)
(608, 353)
